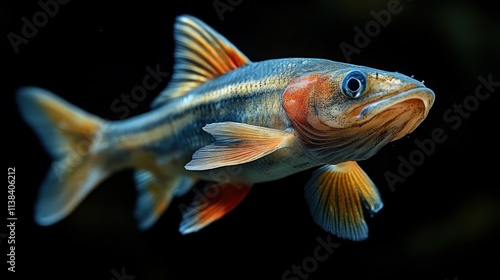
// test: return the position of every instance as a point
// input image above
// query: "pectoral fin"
(237, 143)
(335, 195)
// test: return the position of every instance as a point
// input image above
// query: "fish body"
(236, 123)
(255, 100)
(250, 95)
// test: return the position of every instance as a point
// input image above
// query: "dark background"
(442, 222)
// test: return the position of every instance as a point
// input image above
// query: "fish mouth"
(402, 111)
(418, 95)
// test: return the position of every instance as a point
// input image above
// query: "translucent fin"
(65, 187)
(60, 126)
(336, 194)
(237, 143)
(68, 134)
(210, 205)
(201, 54)
(155, 194)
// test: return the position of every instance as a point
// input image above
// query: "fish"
(232, 123)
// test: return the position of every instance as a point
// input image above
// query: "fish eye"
(353, 84)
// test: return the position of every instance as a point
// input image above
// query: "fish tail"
(69, 135)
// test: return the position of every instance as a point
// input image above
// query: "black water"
(441, 216)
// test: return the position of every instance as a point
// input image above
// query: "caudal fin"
(69, 136)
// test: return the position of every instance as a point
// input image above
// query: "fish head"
(352, 112)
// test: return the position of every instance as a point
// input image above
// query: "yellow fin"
(237, 143)
(335, 195)
(201, 54)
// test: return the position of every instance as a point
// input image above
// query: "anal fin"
(336, 194)
(214, 202)
(155, 194)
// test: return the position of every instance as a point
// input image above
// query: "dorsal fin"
(201, 54)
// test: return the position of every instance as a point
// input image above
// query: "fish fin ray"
(208, 207)
(154, 194)
(60, 125)
(237, 143)
(201, 54)
(336, 194)
(69, 135)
